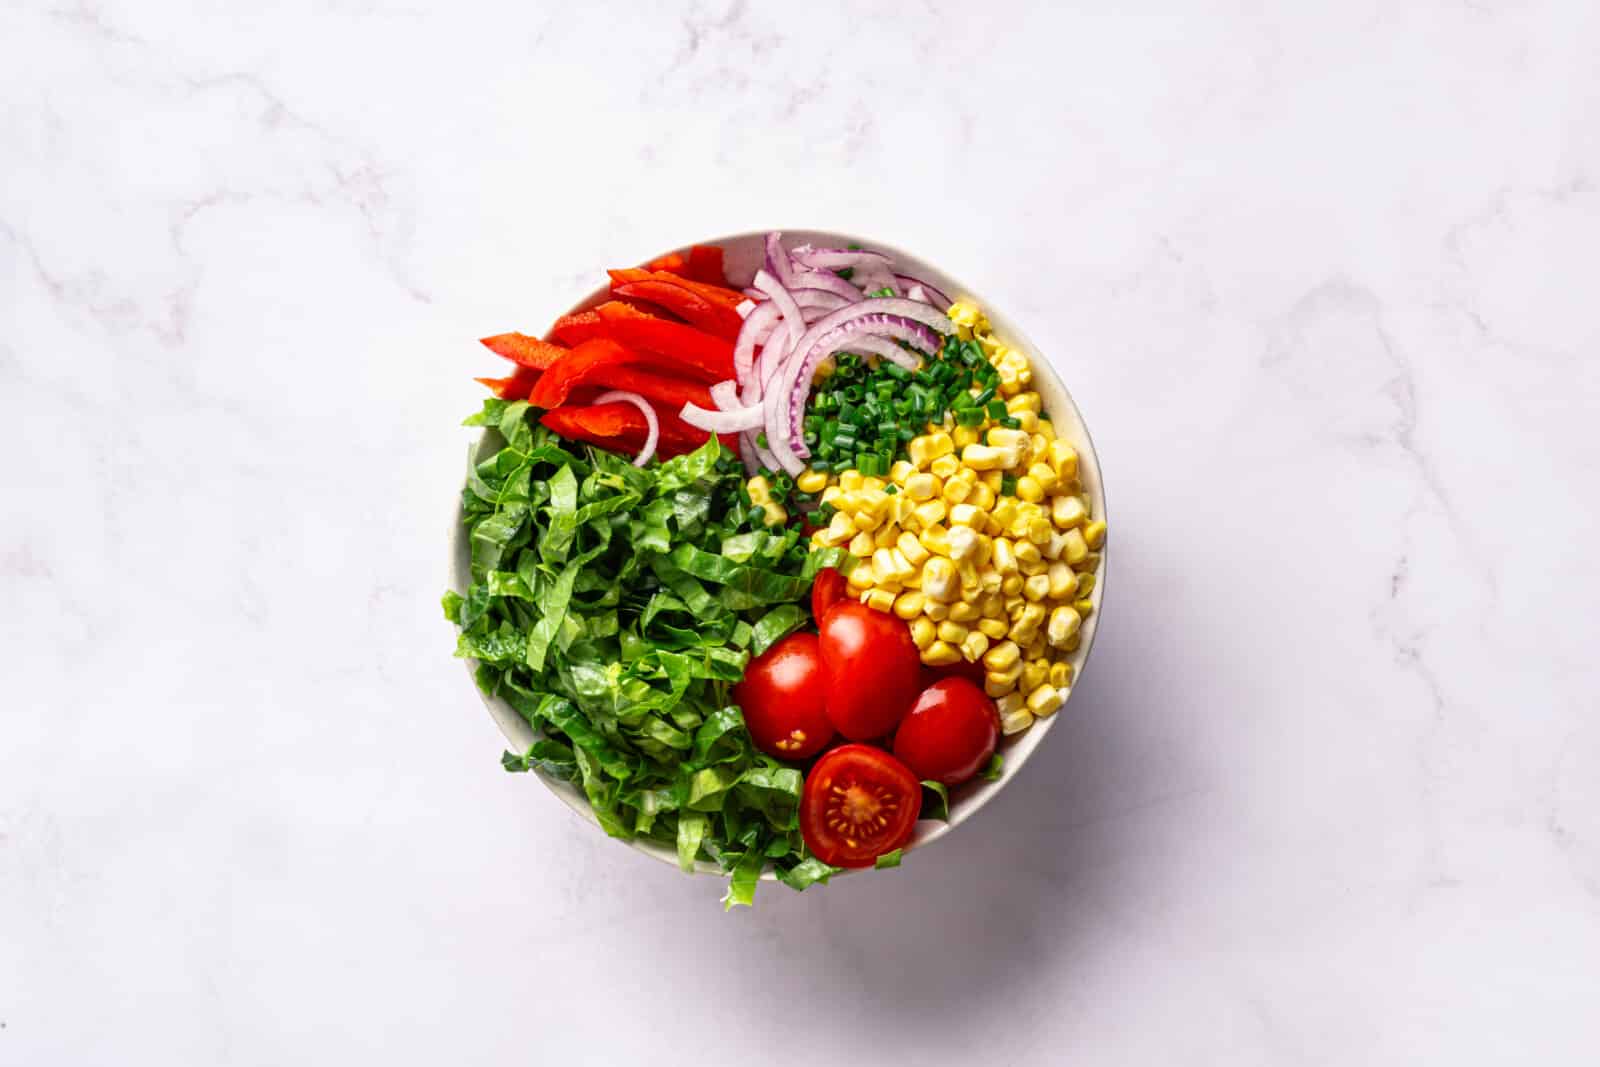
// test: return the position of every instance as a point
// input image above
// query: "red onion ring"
(779, 263)
(654, 426)
(936, 296)
(752, 333)
(780, 296)
(733, 421)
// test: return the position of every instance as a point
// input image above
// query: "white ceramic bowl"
(743, 254)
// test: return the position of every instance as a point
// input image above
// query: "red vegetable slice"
(583, 326)
(524, 350)
(698, 354)
(516, 387)
(672, 262)
(713, 317)
(705, 265)
(593, 363)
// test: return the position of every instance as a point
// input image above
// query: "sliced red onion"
(756, 326)
(779, 263)
(780, 296)
(877, 346)
(774, 354)
(654, 433)
(816, 301)
(744, 307)
(842, 259)
(828, 282)
(781, 436)
(935, 295)
(726, 395)
(754, 294)
(748, 418)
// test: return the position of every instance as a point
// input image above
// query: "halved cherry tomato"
(874, 672)
(950, 732)
(859, 802)
(782, 696)
(826, 591)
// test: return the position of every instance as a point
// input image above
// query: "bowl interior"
(744, 254)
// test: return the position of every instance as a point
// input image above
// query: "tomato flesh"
(782, 696)
(826, 590)
(950, 732)
(874, 672)
(859, 802)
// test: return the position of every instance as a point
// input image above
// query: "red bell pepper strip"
(705, 265)
(516, 387)
(696, 354)
(582, 326)
(671, 262)
(581, 365)
(526, 351)
(621, 428)
(716, 294)
(711, 317)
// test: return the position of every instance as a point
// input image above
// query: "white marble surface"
(1324, 283)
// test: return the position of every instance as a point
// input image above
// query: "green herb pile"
(614, 607)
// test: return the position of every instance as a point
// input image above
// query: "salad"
(771, 571)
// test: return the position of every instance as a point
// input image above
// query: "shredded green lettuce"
(614, 607)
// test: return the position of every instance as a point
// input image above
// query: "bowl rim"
(968, 799)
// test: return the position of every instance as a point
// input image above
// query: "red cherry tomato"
(859, 802)
(972, 672)
(826, 591)
(950, 733)
(874, 672)
(782, 697)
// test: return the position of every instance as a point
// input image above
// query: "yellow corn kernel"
(930, 513)
(913, 581)
(1007, 675)
(956, 490)
(840, 529)
(1005, 557)
(1038, 648)
(1060, 674)
(832, 495)
(1014, 604)
(775, 515)
(1063, 583)
(860, 579)
(963, 436)
(945, 466)
(1085, 586)
(1029, 489)
(974, 646)
(900, 471)
(1041, 443)
(1029, 568)
(923, 632)
(1073, 642)
(1001, 657)
(871, 484)
(1039, 530)
(1016, 722)
(1067, 511)
(964, 611)
(941, 654)
(1043, 700)
(922, 487)
(885, 536)
(850, 481)
(1064, 459)
(963, 541)
(883, 568)
(1090, 562)
(1005, 510)
(911, 549)
(1036, 587)
(1011, 585)
(866, 521)
(936, 610)
(1094, 534)
(1027, 421)
(982, 498)
(1064, 622)
(811, 482)
(993, 479)
(989, 581)
(952, 631)
(760, 490)
(1034, 674)
(988, 458)
(1027, 624)
(970, 589)
(1074, 549)
(861, 545)
(965, 515)
(1083, 607)
(985, 550)
(965, 313)
(936, 539)
(908, 606)
(1028, 401)
(1010, 702)
(1009, 440)
(878, 599)
(939, 579)
(1027, 553)
(993, 629)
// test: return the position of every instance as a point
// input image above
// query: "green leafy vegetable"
(613, 607)
(889, 859)
(935, 801)
(992, 771)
